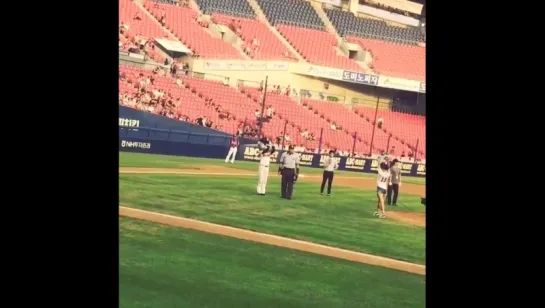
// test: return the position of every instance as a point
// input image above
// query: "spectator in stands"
(305, 134)
(173, 68)
(392, 150)
(270, 112)
(287, 91)
(403, 154)
(287, 137)
(255, 42)
(410, 154)
(257, 114)
(247, 49)
(199, 120)
(333, 126)
(185, 67)
(162, 17)
(179, 82)
(261, 85)
(379, 122)
(200, 21)
(137, 16)
(277, 89)
(209, 124)
(123, 28)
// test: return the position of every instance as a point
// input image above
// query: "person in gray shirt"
(289, 169)
(395, 182)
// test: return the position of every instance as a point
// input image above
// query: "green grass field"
(345, 220)
(163, 267)
(127, 159)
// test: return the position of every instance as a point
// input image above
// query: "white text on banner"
(221, 65)
(399, 84)
(322, 71)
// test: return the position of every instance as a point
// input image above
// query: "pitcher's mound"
(411, 218)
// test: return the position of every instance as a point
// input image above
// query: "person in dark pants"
(395, 182)
(289, 169)
(330, 165)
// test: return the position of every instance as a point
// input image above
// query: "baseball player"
(383, 178)
(263, 171)
(232, 149)
(289, 169)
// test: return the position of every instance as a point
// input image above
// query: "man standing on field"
(395, 182)
(263, 171)
(233, 149)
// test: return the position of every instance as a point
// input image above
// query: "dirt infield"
(271, 240)
(413, 218)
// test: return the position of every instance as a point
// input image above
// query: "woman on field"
(383, 178)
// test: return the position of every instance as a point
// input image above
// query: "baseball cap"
(291, 147)
(395, 160)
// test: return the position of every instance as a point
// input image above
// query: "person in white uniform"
(263, 171)
(383, 178)
(232, 149)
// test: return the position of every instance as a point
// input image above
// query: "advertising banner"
(225, 65)
(399, 84)
(360, 78)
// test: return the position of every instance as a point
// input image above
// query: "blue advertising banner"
(251, 153)
(360, 78)
(368, 165)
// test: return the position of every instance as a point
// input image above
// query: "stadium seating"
(270, 47)
(142, 25)
(304, 41)
(393, 49)
(192, 104)
(302, 118)
(396, 60)
(238, 8)
(348, 24)
(181, 21)
(405, 128)
(291, 12)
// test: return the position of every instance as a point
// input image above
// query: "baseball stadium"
(233, 116)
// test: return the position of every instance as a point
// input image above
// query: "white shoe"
(375, 213)
(383, 216)
(232, 162)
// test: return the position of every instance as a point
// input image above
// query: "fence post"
(321, 140)
(374, 125)
(263, 107)
(388, 144)
(284, 134)
(416, 150)
(354, 144)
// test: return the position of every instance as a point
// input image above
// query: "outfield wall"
(166, 142)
